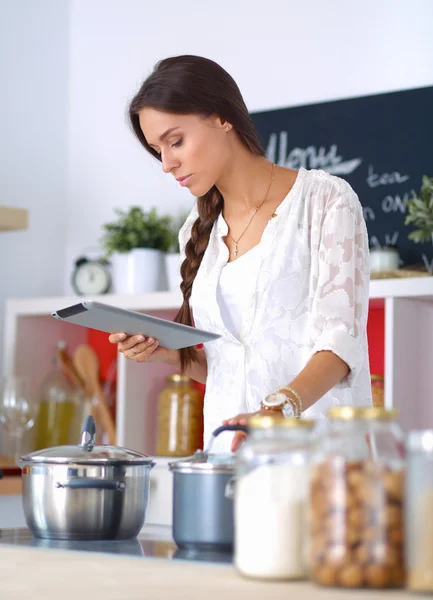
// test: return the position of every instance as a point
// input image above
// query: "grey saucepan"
(202, 512)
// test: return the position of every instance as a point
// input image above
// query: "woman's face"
(193, 149)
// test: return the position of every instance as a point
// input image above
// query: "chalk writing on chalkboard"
(380, 144)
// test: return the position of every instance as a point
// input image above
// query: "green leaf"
(420, 212)
(136, 228)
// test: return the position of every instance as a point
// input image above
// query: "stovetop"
(153, 541)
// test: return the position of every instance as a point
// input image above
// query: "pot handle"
(219, 430)
(79, 483)
(229, 491)
(88, 432)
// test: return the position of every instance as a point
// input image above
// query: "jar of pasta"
(180, 417)
(356, 501)
(378, 390)
(271, 494)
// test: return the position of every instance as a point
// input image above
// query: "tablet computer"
(111, 319)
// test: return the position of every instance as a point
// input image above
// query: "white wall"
(281, 53)
(33, 117)
(71, 66)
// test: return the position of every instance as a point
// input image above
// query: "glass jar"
(60, 409)
(378, 390)
(356, 503)
(271, 492)
(419, 511)
(180, 417)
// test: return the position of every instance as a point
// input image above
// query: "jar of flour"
(271, 491)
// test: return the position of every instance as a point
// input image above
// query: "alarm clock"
(91, 276)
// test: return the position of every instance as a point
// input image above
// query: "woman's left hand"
(241, 419)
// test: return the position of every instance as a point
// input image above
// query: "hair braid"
(209, 207)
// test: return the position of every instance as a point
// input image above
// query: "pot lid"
(203, 461)
(87, 453)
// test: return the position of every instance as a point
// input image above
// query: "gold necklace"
(236, 242)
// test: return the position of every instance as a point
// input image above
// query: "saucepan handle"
(230, 488)
(79, 483)
(219, 430)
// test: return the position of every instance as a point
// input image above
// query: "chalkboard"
(381, 144)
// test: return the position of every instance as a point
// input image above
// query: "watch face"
(91, 278)
(276, 399)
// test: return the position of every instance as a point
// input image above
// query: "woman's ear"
(221, 123)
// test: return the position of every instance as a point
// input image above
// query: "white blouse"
(235, 285)
(310, 293)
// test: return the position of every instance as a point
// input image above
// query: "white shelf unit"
(31, 333)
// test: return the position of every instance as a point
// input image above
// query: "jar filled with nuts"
(356, 500)
(272, 488)
(180, 417)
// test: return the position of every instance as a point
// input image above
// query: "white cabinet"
(159, 510)
(408, 307)
(31, 333)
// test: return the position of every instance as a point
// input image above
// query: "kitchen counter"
(55, 573)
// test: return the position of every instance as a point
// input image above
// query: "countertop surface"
(153, 541)
(34, 569)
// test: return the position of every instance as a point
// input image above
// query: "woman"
(274, 260)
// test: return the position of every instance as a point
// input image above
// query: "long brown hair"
(195, 85)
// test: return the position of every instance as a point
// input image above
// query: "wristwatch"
(278, 402)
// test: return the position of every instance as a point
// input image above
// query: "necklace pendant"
(235, 251)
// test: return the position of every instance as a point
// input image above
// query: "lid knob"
(88, 432)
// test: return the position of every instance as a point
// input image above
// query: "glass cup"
(17, 409)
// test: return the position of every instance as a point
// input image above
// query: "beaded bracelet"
(296, 402)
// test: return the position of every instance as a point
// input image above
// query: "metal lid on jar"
(87, 453)
(278, 421)
(204, 462)
(178, 378)
(347, 413)
(377, 377)
(420, 441)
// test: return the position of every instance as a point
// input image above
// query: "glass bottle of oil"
(59, 404)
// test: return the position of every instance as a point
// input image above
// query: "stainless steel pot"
(202, 513)
(85, 492)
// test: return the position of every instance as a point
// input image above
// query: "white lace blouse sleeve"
(340, 303)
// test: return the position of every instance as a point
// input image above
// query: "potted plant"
(420, 213)
(172, 257)
(136, 243)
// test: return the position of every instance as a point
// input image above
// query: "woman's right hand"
(140, 349)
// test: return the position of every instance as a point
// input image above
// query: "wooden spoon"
(69, 368)
(86, 363)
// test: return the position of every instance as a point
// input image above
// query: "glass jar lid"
(178, 378)
(87, 453)
(376, 377)
(278, 421)
(347, 413)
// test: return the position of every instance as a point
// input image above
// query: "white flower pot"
(172, 267)
(137, 271)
